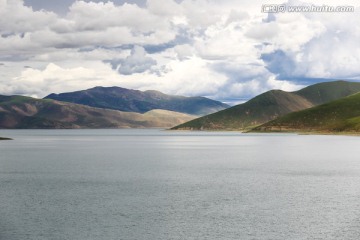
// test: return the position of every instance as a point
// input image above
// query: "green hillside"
(342, 115)
(26, 112)
(271, 105)
(260, 109)
(329, 91)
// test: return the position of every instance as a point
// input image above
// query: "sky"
(227, 50)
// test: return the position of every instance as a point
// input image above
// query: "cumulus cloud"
(98, 16)
(328, 47)
(136, 62)
(236, 16)
(37, 82)
(18, 19)
(86, 24)
(220, 49)
(288, 31)
(165, 8)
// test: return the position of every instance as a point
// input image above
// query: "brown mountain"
(26, 112)
(128, 100)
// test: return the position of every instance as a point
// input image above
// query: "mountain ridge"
(26, 112)
(128, 100)
(271, 105)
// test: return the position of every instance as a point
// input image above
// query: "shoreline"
(270, 132)
(357, 134)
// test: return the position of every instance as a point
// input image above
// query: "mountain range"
(103, 107)
(271, 105)
(325, 107)
(26, 112)
(128, 100)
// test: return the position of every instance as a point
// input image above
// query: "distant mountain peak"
(128, 100)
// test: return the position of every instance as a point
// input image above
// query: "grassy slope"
(25, 112)
(330, 91)
(342, 115)
(260, 109)
(271, 105)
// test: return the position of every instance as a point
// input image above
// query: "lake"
(157, 185)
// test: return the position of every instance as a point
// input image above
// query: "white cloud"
(86, 24)
(53, 78)
(221, 49)
(164, 8)
(136, 62)
(192, 77)
(18, 19)
(99, 16)
(184, 51)
(327, 47)
(237, 16)
(219, 42)
(76, 56)
(290, 31)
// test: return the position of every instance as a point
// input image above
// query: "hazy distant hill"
(26, 112)
(342, 115)
(271, 105)
(137, 101)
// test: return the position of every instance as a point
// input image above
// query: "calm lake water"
(157, 185)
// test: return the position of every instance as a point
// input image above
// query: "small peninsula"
(3, 138)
